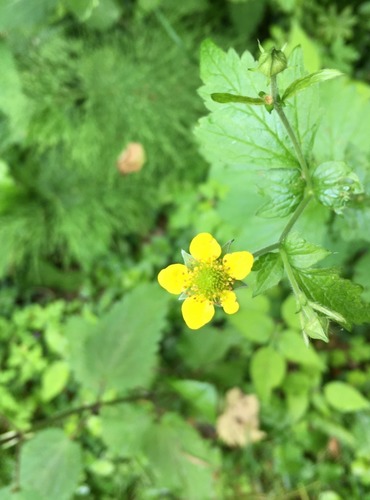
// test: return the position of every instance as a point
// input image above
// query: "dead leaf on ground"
(239, 424)
(132, 158)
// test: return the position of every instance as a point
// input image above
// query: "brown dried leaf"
(132, 158)
(239, 424)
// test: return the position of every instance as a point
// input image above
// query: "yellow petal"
(238, 264)
(173, 278)
(197, 312)
(205, 247)
(229, 303)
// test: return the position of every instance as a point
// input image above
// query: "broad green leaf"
(225, 98)
(104, 15)
(50, 464)
(238, 134)
(54, 379)
(82, 9)
(301, 253)
(202, 396)
(204, 348)
(297, 386)
(311, 52)
(289, 312)
(11, 493)
(293, 348)
(362, 274)
(327, 288)
(285, 188)
(267, 371)
(334, 183)
(270, 271)
(311, 79)
(123, 428)
(25, 15)
(344, 397)
(180, 460)
(253, 320)
(120, 350)
(13, 103)
(345, 121)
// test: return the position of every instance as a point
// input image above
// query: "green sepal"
(270, 271)
(334, 183)
(226, 247)
(183, 296)
(189, 260)
(285, 191)
(239, 284)
(307, 81)
(313, 325)
(224, 98)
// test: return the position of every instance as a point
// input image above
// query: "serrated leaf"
(120, 351)
(344, 397)
(123, 428)
(267, 371)
(179, 459)
(270, 271)
(236, 134)
(327, 288)
(224, 98)
(51, 465)
(285, 189)
(334, 183)
(302, 254)
(311, 79)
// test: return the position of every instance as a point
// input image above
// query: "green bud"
(272, 62)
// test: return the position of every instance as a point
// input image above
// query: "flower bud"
(272, 62)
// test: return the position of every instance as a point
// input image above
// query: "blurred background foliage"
(82, 243)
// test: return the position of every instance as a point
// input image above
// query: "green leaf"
(253, 320)
(225, 98)
(51, 465)
(270, 271)
(345, 122)
(54, 379)
(123, 428)
(11, 493)
(25, 14)
(285, 188)
(267, 371)
(334, 183)
(82, 9)
(302, 254)
(313, 325)
(201, 350)
(293, 348)
(235, 134)
(311, 79)
(311, 52)
(13, 103)
(327, 288)
(180, 460)
(344, 397)
(202, 396)
(120, 351)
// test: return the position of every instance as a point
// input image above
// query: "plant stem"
(290, 131)
(289, 272)
(267, 249)
(306, 200)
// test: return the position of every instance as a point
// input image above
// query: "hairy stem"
(295, 217)
(290, 131)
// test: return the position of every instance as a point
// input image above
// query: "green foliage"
(99, 353)
(89, 344)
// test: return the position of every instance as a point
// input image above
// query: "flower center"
(209, 280)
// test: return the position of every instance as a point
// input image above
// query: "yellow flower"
(206, 279)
